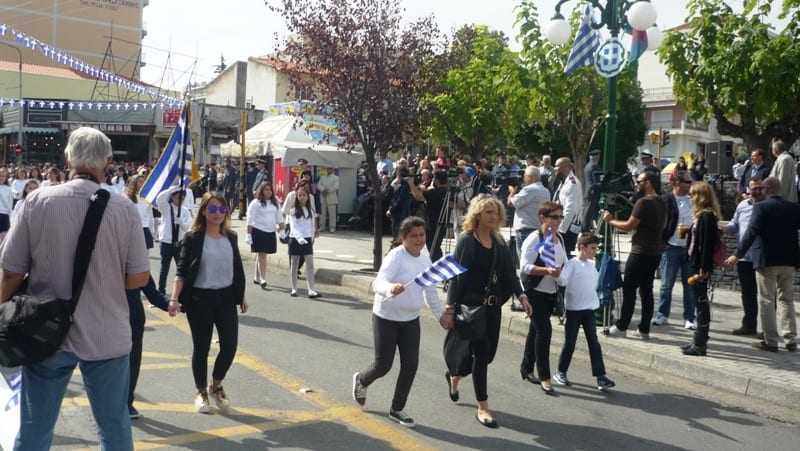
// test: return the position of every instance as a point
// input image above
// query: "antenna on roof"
(218, 69)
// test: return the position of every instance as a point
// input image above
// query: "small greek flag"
(443, 269)
(547, 250)
(586, 43)
(174, 167)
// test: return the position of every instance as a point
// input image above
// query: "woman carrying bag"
(477, 297)
(208, 286)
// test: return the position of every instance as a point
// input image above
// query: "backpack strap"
(86, 242)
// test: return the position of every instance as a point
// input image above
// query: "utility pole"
(242, 175)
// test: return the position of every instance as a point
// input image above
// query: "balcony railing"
(658, 94)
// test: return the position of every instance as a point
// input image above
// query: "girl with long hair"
(540, 272)
(209, 285)
(53, 177)
(30, 186)
(703, 236)
(302, 225)
(264, 218)
(18, 184)
(489, 282)
(6, 203)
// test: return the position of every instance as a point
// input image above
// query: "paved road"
(291, 344)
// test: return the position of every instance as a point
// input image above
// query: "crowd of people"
(551, 257)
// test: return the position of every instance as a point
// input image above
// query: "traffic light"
(664, 138)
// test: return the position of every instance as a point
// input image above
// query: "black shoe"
(264, 285)
(489, 423)
(402, 418)
(604, 383)
(528, 377)
(255, 281)
(453, 395)
(764, 346)
(687, 346)
(133, 413)
(744, 332)
(695, 350)
(791, 347)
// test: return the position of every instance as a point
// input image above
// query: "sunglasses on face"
(558, 217)
(213, 209)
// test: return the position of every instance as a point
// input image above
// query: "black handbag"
(471, 320)
(33, 329)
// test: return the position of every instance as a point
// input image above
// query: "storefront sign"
(105, 128)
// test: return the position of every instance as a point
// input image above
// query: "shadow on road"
(254, 321)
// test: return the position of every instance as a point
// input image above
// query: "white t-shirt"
(528, 259)
(399, 266)
(685, 217)
(580, 277)
(302, 227)
(264, 217)
(6, 199)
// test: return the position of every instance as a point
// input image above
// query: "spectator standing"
(745, 267)
(756, 168)
(42, 245)
(404, 191)
(783, 170)
(120, 180)
(385, 165)
(435, 203)
(546, 172)
(591, 166)
(775, 222)
(329, 192)
(250, 181)
(569, 195)
(675, 259)
(647, 223)
(527, 203)
(703, 240)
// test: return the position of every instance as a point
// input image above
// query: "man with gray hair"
(526, 205)
(783, 170)
(42, 245)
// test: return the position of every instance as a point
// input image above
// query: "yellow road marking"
(214, 434)
(163, 355)
(164, 366)
(355, 417)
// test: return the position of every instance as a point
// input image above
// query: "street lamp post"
(21, 109)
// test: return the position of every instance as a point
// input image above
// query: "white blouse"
(264, 217)
(303, 227)
(17, 186)
(6, 199)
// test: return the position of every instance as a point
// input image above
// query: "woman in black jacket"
(490, 280)
(703, 241)
(209, 284)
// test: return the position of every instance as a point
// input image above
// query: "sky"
(195, 33)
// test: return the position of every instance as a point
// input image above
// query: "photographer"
(403, 194)
(647, 223)
(435, 202)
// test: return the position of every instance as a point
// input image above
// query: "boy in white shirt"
(580, 277)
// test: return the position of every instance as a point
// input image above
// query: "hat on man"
(594, 152)
(645, 154)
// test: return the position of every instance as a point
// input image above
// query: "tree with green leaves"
(480, 102)
(572, 108)
(732, 67)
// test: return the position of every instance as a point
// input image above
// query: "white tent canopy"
(287, 138)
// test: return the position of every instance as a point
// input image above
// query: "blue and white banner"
(174, 166)
(10, 387)
(586, 43)
(443, 269)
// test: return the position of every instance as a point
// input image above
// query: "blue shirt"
(739, 224)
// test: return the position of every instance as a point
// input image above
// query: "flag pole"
(184, 139)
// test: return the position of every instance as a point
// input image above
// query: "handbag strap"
(490, 285)
(86, 242)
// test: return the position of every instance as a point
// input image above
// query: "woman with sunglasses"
(302, 230)
(264, 218)
(489, 282)
(208, 286)
(541, 259)
(704, 237)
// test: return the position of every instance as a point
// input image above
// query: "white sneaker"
(660, 320)
(691, 325)
(220, 398)
(201, 404)
(641, 335)
(615, 332)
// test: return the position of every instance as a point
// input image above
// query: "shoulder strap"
(490, 286)
(86, 242)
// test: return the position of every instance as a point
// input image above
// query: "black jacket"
(507, 278)
(776, 221)
(188, 265)
(672, 216)
(761, 173)
(703, 239)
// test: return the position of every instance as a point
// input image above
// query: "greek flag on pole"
(175, 164)
(586, 43)
(10, 387)
(547, 250)
(443, 269)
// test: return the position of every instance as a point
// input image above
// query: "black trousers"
(747, 281)
(639, 273)
(570, 240)
(169, 252)
(703, 312)
(137, 320)
(388, 336)
(577, 319)
(433, 243)
(540, 332)
(207, 309)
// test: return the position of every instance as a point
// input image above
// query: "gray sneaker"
(359, 390)
(402, 418)
(561, 379)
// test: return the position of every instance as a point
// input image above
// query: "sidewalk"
(732, 364)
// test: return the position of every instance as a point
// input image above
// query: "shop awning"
(34, 130)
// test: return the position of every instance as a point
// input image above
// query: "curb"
(621, 353)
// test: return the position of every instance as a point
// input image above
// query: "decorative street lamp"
(616, 16)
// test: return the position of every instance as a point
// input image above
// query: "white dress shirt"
(264, 217)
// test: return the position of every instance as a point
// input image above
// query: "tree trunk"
(377, 214)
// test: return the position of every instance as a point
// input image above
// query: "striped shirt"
(42, 243)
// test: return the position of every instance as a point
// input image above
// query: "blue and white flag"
(443, 269)
(547, 250)
(10, 388)
(586, 43)
(174, 167)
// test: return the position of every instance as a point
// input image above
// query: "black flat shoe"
(529, 377)
(548, 390)
(491, 424)
(256, 282)
(264, 285)
(453, 395)
(695, 350)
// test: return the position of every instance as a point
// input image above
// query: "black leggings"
(639, 273)
(540, 332)
(209, 308)
(390, 335)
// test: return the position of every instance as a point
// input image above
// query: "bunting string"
(75, 105)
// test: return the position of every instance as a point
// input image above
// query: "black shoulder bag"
(471, 320)
(33, 329)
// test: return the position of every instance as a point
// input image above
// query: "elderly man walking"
(774, 222)
(42, 245)
(526, 205)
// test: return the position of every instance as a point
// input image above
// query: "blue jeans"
(674, 260)
(43, 387)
